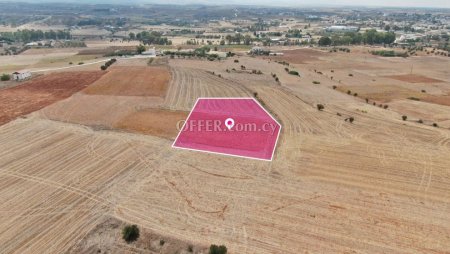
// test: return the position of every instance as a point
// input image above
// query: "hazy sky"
(394, 3)
(399, 3)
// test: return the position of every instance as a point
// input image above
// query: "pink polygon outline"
(232, 155)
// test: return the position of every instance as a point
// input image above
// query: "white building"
(21, 75)
(151, 52)
(342, 29)
(220, 54)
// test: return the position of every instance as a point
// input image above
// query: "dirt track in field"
(42, 91)
(132, 81)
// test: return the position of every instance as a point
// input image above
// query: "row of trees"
(150, 38)
(34, 35)
(369, 37)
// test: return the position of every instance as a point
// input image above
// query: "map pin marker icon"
(229, 123)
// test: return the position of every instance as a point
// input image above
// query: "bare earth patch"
(132, 81)
(156, 122)
(413, 78)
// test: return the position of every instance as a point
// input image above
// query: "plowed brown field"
(132, 81)
(42, 91)
(155, 122)
(411, 78)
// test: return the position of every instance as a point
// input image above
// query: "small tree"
(140, 49)
(404, 118)
(295, 73)
(130, 233)
(5, 77)
(320, 107)
(214, 249)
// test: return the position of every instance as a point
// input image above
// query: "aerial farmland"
(361, 164)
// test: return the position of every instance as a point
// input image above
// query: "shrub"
(286, 69)
(130, 233)
(414, 98)
(386, 106)
(435, 125)
(277, 79)
(320, 107)
(334, 87)
(190, 248)
(355, 94)
(404, 118)
(162, 242)
(350, 75)
(423, 91)
(294, 73)
(70, 63)
(5, 77)
(103, 67)
(316, 82)
(420, 121)
(351, 119)
(236, 61)
(349, 92)
(80, 63)
(367, 100)
(338, 114)
(214, 249)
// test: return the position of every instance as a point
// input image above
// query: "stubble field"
(377, 185)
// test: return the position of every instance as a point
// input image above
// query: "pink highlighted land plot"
(254, 133)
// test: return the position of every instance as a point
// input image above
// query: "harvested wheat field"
(375, 185)
(132, 81)
(42, 91)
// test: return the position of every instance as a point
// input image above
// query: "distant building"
(342, 29)
(151, 52)
(220, 54)
(21, 75)
(276, 54)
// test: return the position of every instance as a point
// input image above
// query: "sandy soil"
(42, 91)
(132, 81)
